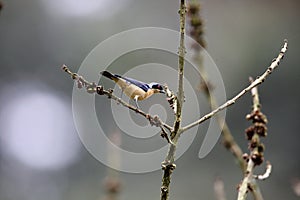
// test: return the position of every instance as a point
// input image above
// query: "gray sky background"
(41, 156)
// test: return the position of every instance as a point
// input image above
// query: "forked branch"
(256, 82)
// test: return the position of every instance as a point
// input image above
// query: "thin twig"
(93, 88)
(228, 140)
(230, 143)
(266, 174)
(164, 134)
(258, 81)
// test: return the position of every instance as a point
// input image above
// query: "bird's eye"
(157, 86)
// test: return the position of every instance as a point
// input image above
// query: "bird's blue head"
(158, 88)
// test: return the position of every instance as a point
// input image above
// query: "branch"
(168, 165)
(164, 134)
(243, 189)
(258, 81)
(181, 54)
(230, 143)
(254, 132)
(93, 88)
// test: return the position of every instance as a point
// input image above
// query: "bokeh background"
(41, 156)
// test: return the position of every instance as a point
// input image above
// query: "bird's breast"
(133, 91)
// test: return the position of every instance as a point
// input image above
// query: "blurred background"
(41, 156)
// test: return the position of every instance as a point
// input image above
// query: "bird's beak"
(162, 91)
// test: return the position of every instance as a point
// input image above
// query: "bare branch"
(253, 133)
(256, 82)
(168, 165)
(181, 54)
(243, 188)
(230, 143)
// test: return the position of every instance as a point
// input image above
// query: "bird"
(134, 89)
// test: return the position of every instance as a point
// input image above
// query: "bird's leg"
(135, 101)
(121, 93)
(122, 89)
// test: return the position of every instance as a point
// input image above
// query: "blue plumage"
(140, 84)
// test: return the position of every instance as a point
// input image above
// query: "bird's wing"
(142, 85)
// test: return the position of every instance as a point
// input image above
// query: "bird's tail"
(109, 75)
